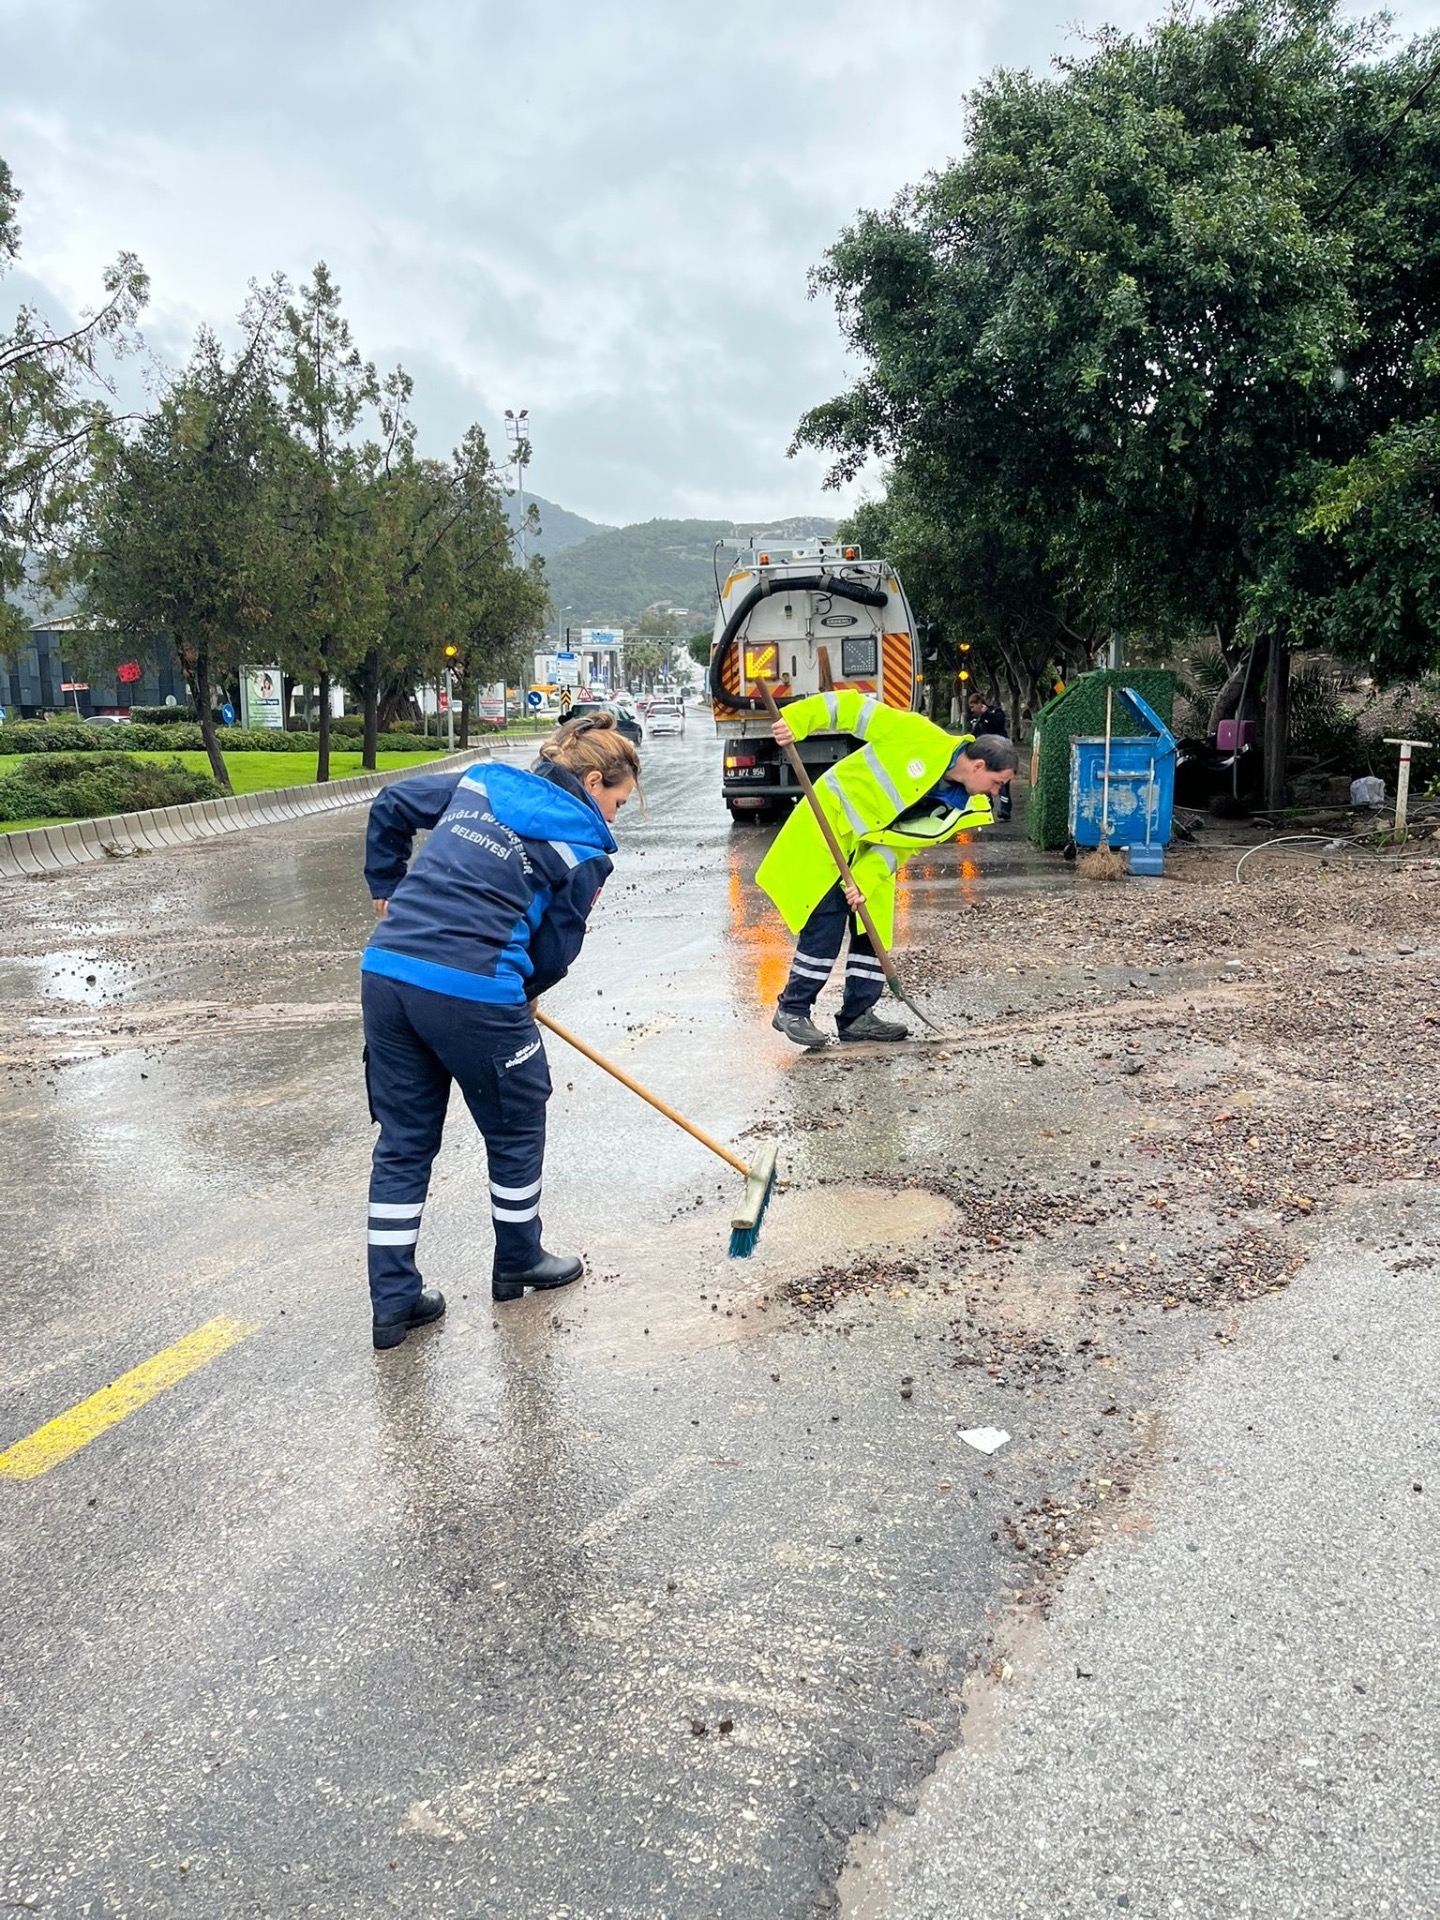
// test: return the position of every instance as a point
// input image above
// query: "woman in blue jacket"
(491, 914)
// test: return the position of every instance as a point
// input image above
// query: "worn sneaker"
(798, 1027)
(871, 1027)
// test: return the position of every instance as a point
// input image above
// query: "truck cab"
(817, 617)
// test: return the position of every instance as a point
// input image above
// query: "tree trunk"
(322, 758)
(1239, 698)
(461, 692)
(370, 685)
(1017, 701)
(1277, 721)
(199, 678)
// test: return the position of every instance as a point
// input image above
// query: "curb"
(41, 850)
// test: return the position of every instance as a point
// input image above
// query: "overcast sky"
(604, 214)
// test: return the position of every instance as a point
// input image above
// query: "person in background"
(988, 717)
(490, 915)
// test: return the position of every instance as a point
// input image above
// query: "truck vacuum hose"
(808, 583)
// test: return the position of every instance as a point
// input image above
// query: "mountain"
(610, 578)
(558, 528)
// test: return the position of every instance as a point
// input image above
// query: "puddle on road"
(674, 1290)
(73, 974)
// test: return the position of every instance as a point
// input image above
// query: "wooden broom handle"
(807, 787)
(654, 1100)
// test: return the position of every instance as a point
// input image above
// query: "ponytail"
(593, 745)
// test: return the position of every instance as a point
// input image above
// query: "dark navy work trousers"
(821, 939)
(416, 1043)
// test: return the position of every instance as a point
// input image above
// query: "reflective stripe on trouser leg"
(821, 939)
(409, 1089)
(864, 978)
(507, 1100)
(515, 1213)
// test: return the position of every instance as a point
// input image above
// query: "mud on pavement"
(1157, 1108)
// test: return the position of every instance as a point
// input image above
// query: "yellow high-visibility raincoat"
(903, 756)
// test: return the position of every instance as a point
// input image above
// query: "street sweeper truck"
(811, 618)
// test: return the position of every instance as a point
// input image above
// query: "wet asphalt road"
(638, 1601)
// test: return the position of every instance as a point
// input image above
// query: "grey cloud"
(605, 214)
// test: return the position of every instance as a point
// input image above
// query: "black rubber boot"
(391, 1331)
(550, 1270)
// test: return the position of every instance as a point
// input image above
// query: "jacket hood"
(541, 809)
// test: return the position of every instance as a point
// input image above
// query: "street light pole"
(450, 653)
(517, 426)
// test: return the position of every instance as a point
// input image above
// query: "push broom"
(1103, 862)
(837, 854)
(759, 1178)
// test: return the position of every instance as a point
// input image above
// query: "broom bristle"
(1101, 863)
(745, 1228)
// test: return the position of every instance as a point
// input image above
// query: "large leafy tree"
(335, 588)
(409, 510)
(1111, 353)
(1381, 512)
(499, 606)
(55, 389)
(182, 538)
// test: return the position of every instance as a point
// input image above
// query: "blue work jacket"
(494, 907)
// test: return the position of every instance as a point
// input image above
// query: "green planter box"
(1080, 710)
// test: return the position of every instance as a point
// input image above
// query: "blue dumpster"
(1142, 788)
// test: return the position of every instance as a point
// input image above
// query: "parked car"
(625, 721)
(665, 719)
(107, 719)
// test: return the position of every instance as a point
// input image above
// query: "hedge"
(86, 787)
(60, 736)
(164, 716)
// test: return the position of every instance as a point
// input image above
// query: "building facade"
(36, 681)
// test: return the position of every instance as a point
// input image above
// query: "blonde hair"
(593, 745)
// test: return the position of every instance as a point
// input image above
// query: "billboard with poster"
(262, 698)
(491, 705)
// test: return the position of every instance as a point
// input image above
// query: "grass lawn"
(249, 772)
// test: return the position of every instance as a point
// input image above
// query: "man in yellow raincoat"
(908, 786)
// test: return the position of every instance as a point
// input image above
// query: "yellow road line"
(68, 1432)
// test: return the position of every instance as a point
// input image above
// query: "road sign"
(532, 699)
(227, 714)
(567, 672)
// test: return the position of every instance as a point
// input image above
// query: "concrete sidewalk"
(1237, 1713)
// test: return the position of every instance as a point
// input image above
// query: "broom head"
(1101, 863)
(745, 1227)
